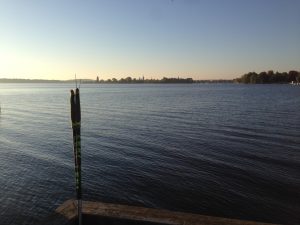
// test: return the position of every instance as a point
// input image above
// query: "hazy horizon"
(203, 40)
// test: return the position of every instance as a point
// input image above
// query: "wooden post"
(76, 124)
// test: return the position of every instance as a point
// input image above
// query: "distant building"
(97, 80)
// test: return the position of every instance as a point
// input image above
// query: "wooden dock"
(98, 213)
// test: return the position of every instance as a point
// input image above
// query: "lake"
(227, 150)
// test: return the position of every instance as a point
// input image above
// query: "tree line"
(129, 80)
(164, 80)
(269, 77)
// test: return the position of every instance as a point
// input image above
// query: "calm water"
(223, 150)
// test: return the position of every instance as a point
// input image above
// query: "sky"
(202, 39)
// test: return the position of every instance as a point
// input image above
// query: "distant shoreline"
(269, 77)
(121, 81)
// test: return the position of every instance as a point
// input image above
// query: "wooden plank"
(98, 210)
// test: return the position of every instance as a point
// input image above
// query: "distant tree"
(253, 78)
(270, 73)
(298, 78)
(292, 75)
(284, 77)
(128, 79)
(269, 77)
(264, 77)
(246, 78)
(190, 80)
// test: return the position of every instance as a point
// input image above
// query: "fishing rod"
(76, 125)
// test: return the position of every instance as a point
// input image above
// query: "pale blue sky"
(207, 39)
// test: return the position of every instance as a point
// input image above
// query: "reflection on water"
(219, 149)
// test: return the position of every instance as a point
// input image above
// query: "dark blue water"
(223, 150)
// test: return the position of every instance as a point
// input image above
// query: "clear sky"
(204, 39)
